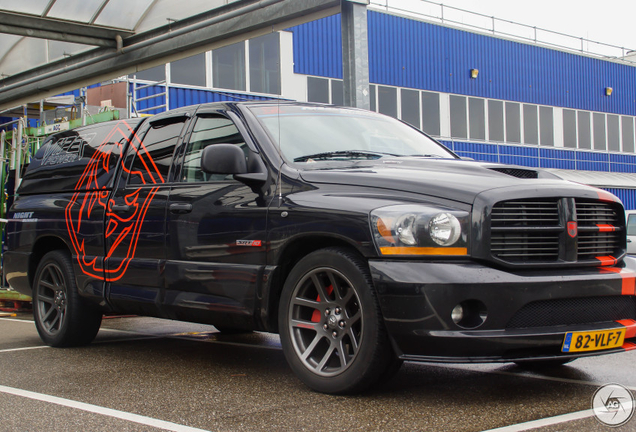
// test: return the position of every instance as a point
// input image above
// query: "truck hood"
(457, 180)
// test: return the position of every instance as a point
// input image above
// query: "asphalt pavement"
(146, 374)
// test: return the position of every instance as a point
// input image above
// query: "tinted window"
(156, 74)
(530, 124)
(546, 126)
(477, 118)
(372, 98)
(264, 64)
(59, 163)
(495, 120)
(458, 117)
(628, 134)
(317, 90)
(613, 133)
(584, 126)
(228, 67)
(513, 122)
(337, 92)
(569, 128)
(631, 225)
(190, 71)
(600, 142)
(411, 107)
(431, 113)
(387, 101)
(151, 164)
(208, 131)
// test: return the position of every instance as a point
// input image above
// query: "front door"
(216, 234)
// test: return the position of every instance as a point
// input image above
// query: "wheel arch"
(41, 247)
(290, 255)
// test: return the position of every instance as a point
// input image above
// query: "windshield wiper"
(343, 153)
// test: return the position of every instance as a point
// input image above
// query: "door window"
(151, 164)
(208, 131)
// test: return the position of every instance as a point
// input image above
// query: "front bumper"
(528, 313)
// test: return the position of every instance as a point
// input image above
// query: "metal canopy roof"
(52, 46)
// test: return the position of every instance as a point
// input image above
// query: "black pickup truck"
(359, 239)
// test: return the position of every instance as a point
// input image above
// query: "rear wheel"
(331, 328)
(62, 317)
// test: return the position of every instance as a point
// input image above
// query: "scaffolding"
(18, 144)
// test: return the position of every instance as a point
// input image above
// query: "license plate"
(593, 340)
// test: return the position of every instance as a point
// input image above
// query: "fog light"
(469, 314)
(457, 314)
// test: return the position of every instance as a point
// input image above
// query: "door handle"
(180, 208)
(120, 208)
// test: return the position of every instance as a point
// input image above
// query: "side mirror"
(223, 159)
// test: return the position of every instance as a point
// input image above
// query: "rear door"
(136, 218)
(216, 233)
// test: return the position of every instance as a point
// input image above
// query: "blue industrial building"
(485, 97)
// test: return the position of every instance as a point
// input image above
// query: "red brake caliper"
(315, 317)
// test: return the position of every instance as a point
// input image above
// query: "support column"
(355, 53)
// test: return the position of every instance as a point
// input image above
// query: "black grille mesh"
(584, 310)
(516, 172)
(532, 231)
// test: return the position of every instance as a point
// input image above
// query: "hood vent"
(518, 172)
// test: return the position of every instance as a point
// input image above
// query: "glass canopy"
(19, 52)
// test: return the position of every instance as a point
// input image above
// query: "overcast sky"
(609, 21)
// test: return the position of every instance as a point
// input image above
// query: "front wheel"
(61, 316)
(330, 323)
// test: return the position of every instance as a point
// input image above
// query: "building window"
(387, 100)
(155, 74)
(613, 133)
(337, 92)
(431, 113)
(189, 71)
(546, 126)
(265, 64)
(584, 126)
(458, 117)
(317, 90)
(628, 134)
(372, 98)
(530, 124)
(569, 128)
(477, 118)
(495, 120)
(228, 67)
(600, 134)
(513, 122)
(411, 107)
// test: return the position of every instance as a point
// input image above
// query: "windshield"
(310, 135)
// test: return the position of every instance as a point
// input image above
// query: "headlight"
(420, 230)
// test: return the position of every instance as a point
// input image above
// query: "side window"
(151, 164)
(208, 131)
(631, 225)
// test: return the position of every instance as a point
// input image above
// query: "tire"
(62, 317)
(543, 364)
(330, 324)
